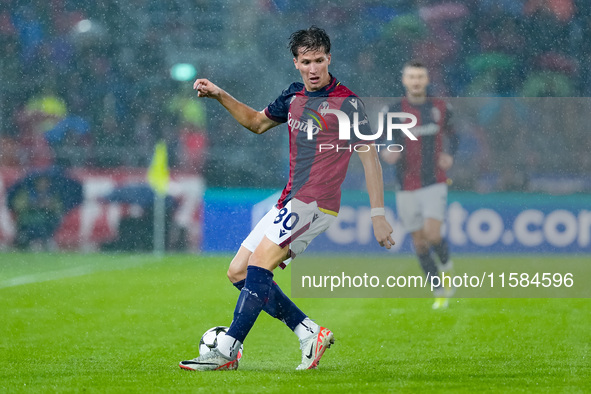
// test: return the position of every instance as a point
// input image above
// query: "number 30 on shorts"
(286, 218)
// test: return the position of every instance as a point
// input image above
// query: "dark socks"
(428, 265)
(442, 251)
(280, 306)
(253, 297)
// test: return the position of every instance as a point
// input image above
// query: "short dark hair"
(414, 63)
(311, 39)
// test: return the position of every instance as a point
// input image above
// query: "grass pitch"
(112, 323)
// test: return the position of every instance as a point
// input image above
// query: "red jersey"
(418, 167)
(316, 174)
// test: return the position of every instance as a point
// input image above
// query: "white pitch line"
(69, 273)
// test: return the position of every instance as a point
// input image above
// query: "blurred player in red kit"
(421, 198)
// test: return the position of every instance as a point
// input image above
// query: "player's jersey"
(418, 167)
(316, 174)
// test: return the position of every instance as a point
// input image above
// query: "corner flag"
(158, 174)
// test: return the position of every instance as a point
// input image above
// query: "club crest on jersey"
(307, 126)
(323, 107)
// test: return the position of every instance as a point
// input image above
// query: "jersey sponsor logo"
(309, 127)
(362, 122)
(426, 129)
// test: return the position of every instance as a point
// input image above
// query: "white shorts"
(296, 225)
(415, 206)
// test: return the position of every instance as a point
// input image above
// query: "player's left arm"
(446, 158)
(375, 188)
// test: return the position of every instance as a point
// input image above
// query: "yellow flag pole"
(158, 177)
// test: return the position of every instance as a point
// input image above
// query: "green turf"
(123, 322)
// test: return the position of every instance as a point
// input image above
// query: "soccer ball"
(209, 340)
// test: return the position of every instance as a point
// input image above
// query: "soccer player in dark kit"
(308, 205)
(420, 168)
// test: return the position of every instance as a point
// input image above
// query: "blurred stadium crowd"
(89, 83)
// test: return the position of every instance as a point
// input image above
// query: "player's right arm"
(253, 120)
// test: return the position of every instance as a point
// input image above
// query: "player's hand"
(390, 157)
(383, 231)
(445, 161)
(206, 88)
